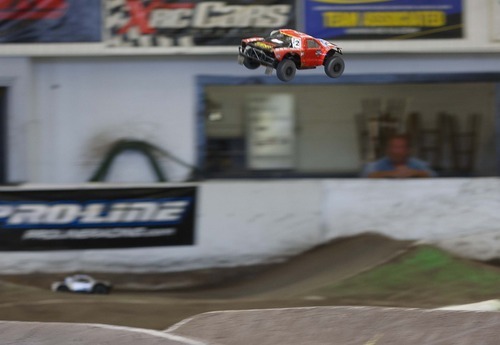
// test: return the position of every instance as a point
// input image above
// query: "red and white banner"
(50, 21)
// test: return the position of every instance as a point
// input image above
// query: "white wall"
(240, 223)
(88, 103)
(249, 222)
(64, 112)
(84, 104)
(460, 215)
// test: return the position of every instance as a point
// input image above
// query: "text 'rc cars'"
(82, 283)
(287, 50)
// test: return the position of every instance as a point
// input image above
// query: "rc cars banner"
(193, 23)
(38, 21)
(384, 19)
(64, 219)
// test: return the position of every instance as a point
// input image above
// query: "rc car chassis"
(287, 50)
(82, 283)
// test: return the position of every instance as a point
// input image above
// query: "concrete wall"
(65, 111)
(81, 105)
(249, 222)
(460, 215)
(236, 224)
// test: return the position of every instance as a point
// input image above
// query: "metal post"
(497, 126)
(3, 135)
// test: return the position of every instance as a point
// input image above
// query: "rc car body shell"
(304, 50)
(82, 283)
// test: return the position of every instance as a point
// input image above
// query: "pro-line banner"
(40, 21)
(193, 23)
(64, 219)
(383, 19)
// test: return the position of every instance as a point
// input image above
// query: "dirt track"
(322, 265)
(286, 285)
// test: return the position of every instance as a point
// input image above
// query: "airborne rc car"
(287, 50)
(82, 283)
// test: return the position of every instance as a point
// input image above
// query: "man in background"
(398, 162)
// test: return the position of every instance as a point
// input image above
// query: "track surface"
(286, 285)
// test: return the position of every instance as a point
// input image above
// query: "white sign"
(270, 131)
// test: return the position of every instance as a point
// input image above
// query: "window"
(326, 130)
(312, 44)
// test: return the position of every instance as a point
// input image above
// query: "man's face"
(398, 150)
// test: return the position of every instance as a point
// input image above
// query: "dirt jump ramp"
(38, 333)
(343, 326)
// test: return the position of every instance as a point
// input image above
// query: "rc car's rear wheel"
(286, 70)
(334, 67)
(100, 289)
(250, 63)
(62, 288)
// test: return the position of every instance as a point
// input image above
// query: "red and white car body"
(285, 46)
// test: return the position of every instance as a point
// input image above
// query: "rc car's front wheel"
(250, 63)
(286, 70)
(334, 67)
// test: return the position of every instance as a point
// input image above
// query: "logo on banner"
(164, 20)
(117, 213)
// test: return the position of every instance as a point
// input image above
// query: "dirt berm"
(362, 270)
